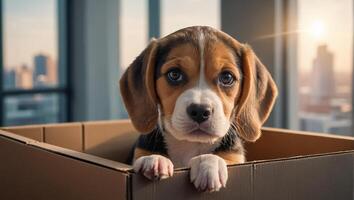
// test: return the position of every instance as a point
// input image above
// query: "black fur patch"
(153, 142)
(228, 142)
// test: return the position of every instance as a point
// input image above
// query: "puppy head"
(200, 82)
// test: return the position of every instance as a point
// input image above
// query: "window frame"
(64, 78)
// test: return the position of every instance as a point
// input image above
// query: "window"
(133, 36)
(176, 14)
(325, 52)
(134, 24)
(34, 88)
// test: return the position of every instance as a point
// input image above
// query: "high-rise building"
(24, 78)
(322, 84)
(10, 79)
(44, 71)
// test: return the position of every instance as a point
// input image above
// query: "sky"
(30, 28)
(325, 22)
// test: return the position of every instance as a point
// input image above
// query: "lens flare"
(317, 29)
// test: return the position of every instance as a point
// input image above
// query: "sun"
(317, 29)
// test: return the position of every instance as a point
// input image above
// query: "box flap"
(32, 172)
(282, 143)
(239, 186)
(110, 139)
(67, 135)
(30, 131)
(67, 152)
(316, 178)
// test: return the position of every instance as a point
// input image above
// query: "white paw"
(154, 167)
(208, 172)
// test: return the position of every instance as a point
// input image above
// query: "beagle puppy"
(196, 95)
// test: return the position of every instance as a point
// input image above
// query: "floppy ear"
(257, 96)
(137, 88)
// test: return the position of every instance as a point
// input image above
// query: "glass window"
(325, 52)
(30, 44)
(133, 30)
(34, 109)
(32, 91)
(183, 13)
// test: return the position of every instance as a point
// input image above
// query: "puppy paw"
(154, 167)
(208, 172)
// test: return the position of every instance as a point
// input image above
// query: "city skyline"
(41, 73)
(30, 27)
(323, 108)
(327, 22)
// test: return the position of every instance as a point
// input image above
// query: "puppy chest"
(181, 152)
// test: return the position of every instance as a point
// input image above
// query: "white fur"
(154, 167)
(208, 172)
(201, 82)
(181, 125)
(181, 152)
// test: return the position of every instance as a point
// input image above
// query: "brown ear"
(137, 88)
(257, 96)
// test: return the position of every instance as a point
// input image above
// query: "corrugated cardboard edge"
(69, 153)
(281, 159)
(316, 134)
(128, 168)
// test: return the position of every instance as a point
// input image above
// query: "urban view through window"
(325, 54)
(30, 60)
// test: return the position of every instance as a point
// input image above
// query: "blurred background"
(61, 60)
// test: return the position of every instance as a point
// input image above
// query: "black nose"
(198, 112)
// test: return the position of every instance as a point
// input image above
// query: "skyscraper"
(44, 71)
(24, 77)
(10, 79)
(322, 84)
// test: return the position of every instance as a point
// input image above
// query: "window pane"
(134, 27)
(133, 35)
(183, 13)
(30, 43)
(34, 109)
(325, 54)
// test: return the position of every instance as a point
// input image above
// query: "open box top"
(86, 161)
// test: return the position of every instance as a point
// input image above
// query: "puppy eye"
(175, 76)
(226, 79)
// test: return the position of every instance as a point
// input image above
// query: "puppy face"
(197, 90)
(198, 83)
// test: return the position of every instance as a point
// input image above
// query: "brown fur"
(248, 103)
(218, 58)
(258, 96)
(139, 152)
(186, 57)
(137, 87)
(231, 157)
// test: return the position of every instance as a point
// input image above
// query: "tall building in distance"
(10, 79)
(32, 108)
(24, 77)
(323, 83)
(44, 73)
(322, 109)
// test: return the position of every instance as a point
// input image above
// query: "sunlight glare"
(317, 29)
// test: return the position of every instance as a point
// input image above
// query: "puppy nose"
(199, 112)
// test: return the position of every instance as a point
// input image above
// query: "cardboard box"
(86, 161)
